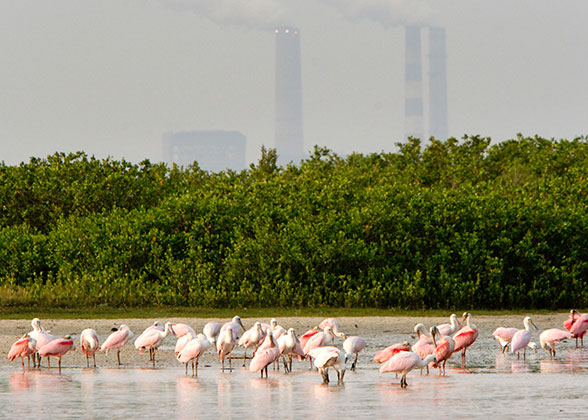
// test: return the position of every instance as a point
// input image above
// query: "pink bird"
(306, 336)
(579, 326)
(522, 337)
(504, 336)
(24, 347)
(550, 337)
(193, 350)
(57, 348)
(89, 344)
(326, 357)
(289, 345)
(320, 339)
(465, 337)
(181, 330)
(181, 343)
(41, 337)
(443, 349)
(405, 361)
(157, 325)
(253, 337)
(334, 324)
(353, 345)
(224, 346)
(424, 345)
(117, 339)
(385, 355)
(265, 355)
(451, 328)
(153, 339)
(236, 325)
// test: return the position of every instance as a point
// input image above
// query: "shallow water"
(492, 385)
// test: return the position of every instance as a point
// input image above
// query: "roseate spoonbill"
(89, 343)
(334, 324)
(465, 337)
(424, 345)
(353, 345)
(385, 355)
(277, 330)
(157, 325)
(41, 336)
(522, 337)
(443, 349)
(306, 336)
(181, 343)
(57, 348)
(236, 325)
(550, 337)
(579, 325)
(211, 330)
(329, 356)
(289, 345)
(193, 350)
(153, 339)
(23, 347)
(504, 336)
(181, 330)
(253, 337)
(451, 328)
(265, 355)
(224, 346)
(320, 339)
(117, 339)
(405, 361)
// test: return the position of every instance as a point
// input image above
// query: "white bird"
(236, 325)
(211, 330)
(224, 346)
(451, 328)
(326, 357)
(193, 350)
(353, 345)
(153, 339)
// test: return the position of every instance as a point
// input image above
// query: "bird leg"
(48, 362)
(59, 364)
(195, 364)
(325, 375)
(94, 358)
(245, 357)
(153, 356)
(285, 364)
(118, 356)
(290, 359)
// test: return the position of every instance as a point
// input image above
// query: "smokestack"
(413, 79)
(289, 139)
(438, 126)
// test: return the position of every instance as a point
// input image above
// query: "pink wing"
(354, 344)
(306, 336)
(424, 347)
(554, 335)
(520, 340)
(190, 351)
(263, 358)
(464, 338)
(20, 349)
(57, 347)
(183, 329)
(505, 333)
(317, 340)
(386, 354)
(115, 340)
(329, 322)
(322, 355)
(580, 325)
(568, 323)
(405, 360)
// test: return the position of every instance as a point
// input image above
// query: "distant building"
(213, 150)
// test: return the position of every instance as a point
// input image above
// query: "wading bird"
(117, 339)
(404, 362)
(89, 343)
(353, 345)
(267, 354)
(57, 348)
(550, 337)
(522, 337)
(443, 349)
(329, 356)
(465, 337)
(153, 339)
(387, 353)
(24, 347)
(193, 350)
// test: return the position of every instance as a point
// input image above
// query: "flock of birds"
(271, 343)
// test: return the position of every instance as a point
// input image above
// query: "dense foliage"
(455, 224)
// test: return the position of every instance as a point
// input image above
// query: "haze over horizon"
(110, 77)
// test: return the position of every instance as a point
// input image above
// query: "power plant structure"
(289, 140)
(414, 125)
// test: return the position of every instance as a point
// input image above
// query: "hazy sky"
(110, 76)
